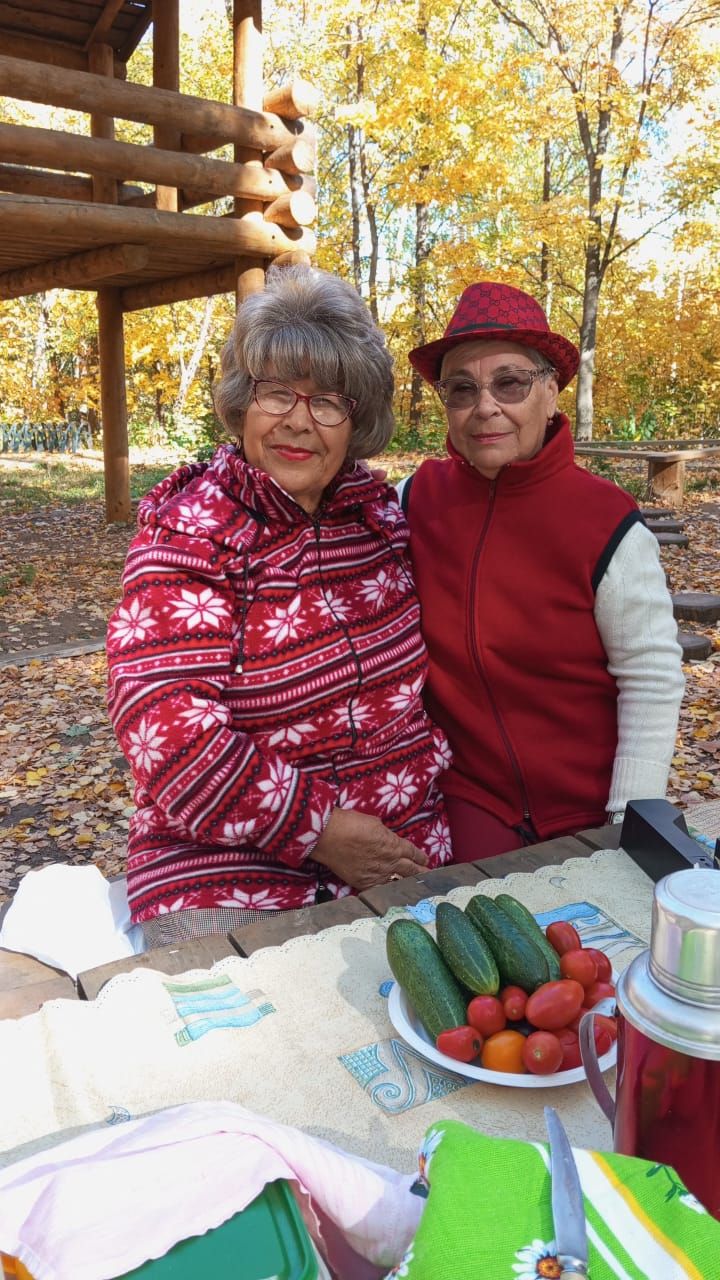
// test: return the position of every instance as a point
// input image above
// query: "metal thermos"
(667, 1106)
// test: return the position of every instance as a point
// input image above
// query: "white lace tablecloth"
(301, 1034)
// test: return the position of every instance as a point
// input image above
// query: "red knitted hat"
(496, 311)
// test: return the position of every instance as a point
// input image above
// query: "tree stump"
(696, 606)
(694, 647)
(666, 477)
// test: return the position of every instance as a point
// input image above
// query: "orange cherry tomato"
(504, 1052)
(602, 961)
(598, 991)
(580, 965)
(555, 1004)
(563, 936)
(543, 1053)
(486, 1015)
(513, 1000)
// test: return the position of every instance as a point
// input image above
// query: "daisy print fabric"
(488, 1213)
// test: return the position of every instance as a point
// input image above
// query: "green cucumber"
(417, 964)
(466, 951)
(520, 962)
(527, 922)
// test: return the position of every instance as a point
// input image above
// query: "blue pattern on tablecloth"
(397, 1078)
(211, 1004)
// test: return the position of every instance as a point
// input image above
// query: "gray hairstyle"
(308, 323)
(540, 361)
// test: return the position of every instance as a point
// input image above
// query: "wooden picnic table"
(26, 983)
(665, 467)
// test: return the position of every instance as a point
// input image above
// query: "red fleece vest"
(507, 572)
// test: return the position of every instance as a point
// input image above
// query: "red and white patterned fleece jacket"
(264, 667)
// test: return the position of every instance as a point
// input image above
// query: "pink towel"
(101, 1204)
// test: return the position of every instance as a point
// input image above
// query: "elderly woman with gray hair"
(266, 665)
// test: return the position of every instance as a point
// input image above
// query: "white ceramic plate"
(408, 1025)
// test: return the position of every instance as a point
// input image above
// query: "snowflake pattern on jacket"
(266, 666)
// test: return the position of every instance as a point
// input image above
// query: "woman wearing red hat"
(554, 663)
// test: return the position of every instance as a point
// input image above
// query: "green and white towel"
(489, 1214)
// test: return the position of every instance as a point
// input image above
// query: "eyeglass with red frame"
(507, 386)
(326, 408)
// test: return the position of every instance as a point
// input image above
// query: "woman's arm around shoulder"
(634, 617)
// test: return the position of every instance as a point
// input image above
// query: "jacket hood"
(229, 501)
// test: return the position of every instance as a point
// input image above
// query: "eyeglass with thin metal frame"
(326, 408)
(510, 386)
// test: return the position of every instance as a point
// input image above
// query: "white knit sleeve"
(634, 616)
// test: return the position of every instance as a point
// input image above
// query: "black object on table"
(655, 835)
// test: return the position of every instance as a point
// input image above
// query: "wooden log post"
(30, 145)
(248, 92)
(166, 75)
(101, 224)
(100, 61)
(666, 478)
(113, 399)
(293, 100)
(62, 186)
(79, 271)
(81, 91)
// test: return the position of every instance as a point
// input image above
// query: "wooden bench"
(665, 468)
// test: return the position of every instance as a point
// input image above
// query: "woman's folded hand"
(358, 849)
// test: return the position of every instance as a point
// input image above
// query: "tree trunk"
(545, 248)
(588, 335)
(191, 368)
(420, 301)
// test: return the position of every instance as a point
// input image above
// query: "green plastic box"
(266, 1241)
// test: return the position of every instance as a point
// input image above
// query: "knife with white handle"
(568, 1208)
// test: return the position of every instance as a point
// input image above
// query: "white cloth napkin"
(103, 1203)
(71, 918)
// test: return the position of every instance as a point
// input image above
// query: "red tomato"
(513, 1001)
(579, 965)
(604, 966)
(598, 991)
(554, 1004)
(542, 1053)
(602, 1030)
(570, 1047)
(574, 1023)
(461, 1043)
(607, 1023)
(486, 1015)
(563, 937)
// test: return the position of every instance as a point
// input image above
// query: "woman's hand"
(358, 849)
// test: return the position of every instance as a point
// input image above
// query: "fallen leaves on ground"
(65, 789)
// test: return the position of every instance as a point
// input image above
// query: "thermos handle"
(588, 1052)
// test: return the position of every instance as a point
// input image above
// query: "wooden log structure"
(107, 224)
(79, 271)
(297, 156)
(145, 164)
(72, 212)
(34, 48)
(293, 100)
(64, 186)
(82, 91)
(197, 284)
